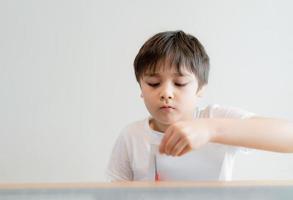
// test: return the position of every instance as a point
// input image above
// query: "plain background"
(67, 84)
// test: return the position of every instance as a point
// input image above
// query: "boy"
(179, 141)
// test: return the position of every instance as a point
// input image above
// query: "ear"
(141, 95)
(202, 90)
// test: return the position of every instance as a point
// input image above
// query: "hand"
(182, 137)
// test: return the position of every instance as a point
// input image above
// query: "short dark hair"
(179, 48)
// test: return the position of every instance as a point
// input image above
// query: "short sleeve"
(119, 167)
(216, 111)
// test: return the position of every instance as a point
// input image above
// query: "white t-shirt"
(136, 149)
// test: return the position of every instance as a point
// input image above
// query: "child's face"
(169, 96)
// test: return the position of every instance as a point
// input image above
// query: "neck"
(158, 126)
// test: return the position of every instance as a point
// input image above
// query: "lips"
(167, 107)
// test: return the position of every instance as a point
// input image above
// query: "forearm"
(260, 133)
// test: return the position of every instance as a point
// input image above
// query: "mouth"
(167, 108)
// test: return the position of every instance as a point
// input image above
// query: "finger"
(178, 148)
(167, 134)
(172, 142)
(164, 143)
(186, 149)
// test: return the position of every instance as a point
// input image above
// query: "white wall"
(67, 85)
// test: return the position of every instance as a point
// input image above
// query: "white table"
(246, 190)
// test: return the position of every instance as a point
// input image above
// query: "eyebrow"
(158, 75)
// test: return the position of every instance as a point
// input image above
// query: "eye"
(153, 84)
(181, 84)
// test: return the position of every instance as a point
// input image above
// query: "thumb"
(166, 137)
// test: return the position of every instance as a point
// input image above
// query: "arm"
(256, 132)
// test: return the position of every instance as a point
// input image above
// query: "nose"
(167, 92)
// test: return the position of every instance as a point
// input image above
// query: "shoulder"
(133, 128)
(133, 131)
(220, 111)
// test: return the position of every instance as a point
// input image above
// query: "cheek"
(147, 97)
(149, 104)
(188, 95)
(148, 100)
(147, 92)
(188, 101)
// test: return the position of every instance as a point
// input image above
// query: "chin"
(167, 121)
